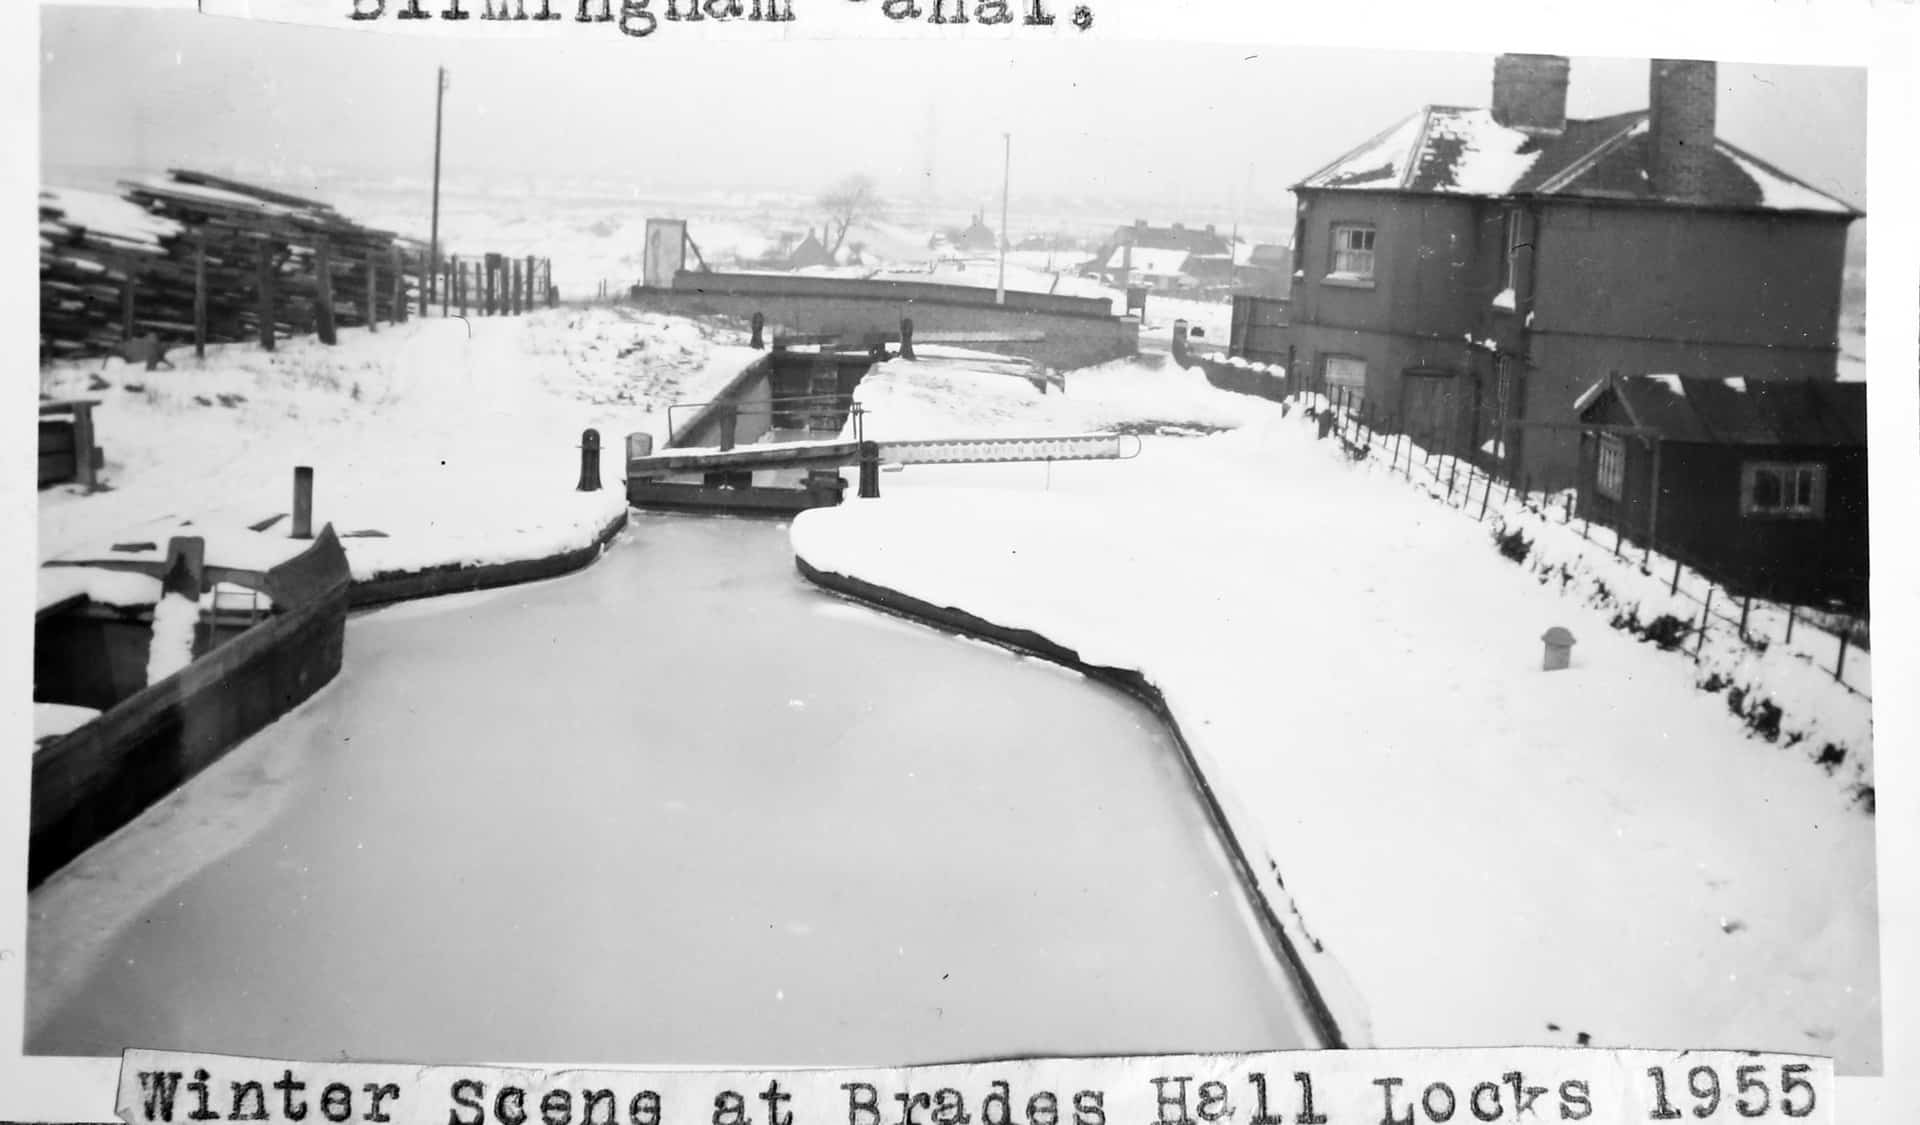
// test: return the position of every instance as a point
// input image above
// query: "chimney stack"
(1530, 92)
(1681, 105)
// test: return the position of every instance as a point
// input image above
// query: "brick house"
(1471, 271)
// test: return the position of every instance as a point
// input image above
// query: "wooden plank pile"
(192, 257)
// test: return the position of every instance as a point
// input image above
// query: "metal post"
(1793, 612)
(433, 238)
(303, 502)
(1674, 587)
(1846, 634)
(1746, 603)
(1006, 180)
(1706, 612)
(1485, 497)
(869, 470)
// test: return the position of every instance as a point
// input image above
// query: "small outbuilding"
(1760, 485)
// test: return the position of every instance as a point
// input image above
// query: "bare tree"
(850, 203)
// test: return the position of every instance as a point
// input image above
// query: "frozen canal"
(680, 807)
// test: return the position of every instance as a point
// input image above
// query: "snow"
(52, 720)
(1490, 161)
(174, 620)
(1737, 383)
(450, 447)
(121, 588)
(1504, 299)
(1381, 162)
(1671, 382)
(110, 215)
(1359, 672)
(1781, 192)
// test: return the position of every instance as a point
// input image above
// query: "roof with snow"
(1175, 237)
(1449, 150)
(1739, 411)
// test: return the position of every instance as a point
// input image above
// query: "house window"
(1610, 474)
(1783, 489)
(1347, 376)
(1353, 252)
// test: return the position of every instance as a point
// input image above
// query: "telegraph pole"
(1006, 179)
(433, 243)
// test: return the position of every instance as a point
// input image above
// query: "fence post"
(303, 502)
(199, 296)
(263, 268)
(323, 293)
(1746, 603)
(1846, 634)
(460, 282)
(1674, 586)
(526, 303)
(83, 450)
(759, 326)
(373, 292)
(1485, 497)
(399, 288)
(1706, 611)
(1793, 611)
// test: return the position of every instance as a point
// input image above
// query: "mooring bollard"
(759, 326)
(589, 461)
(185, 572)
(303, 502)
(906, 338)
(1559, 649)
(869, 470)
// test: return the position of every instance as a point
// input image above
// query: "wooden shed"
(1760, 485)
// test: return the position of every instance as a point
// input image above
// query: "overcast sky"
(1188, 126)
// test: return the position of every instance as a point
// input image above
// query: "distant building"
(976, 238)
(1470, 271)
(809, 253)
(1760, 485)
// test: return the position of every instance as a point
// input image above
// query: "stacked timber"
(197, 258)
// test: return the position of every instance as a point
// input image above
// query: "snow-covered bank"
(1603, 854)
(434, 443)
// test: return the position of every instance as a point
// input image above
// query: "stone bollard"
(759, 326)
(589, 461)
(906, 338)
(303, 502)
(869, 470)
(1559, 650)
(1180, 342)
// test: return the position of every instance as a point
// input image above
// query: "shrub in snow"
(1667, 631)
(1512, 543)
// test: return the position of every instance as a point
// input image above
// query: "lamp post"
(433, 237)
(1006, 178)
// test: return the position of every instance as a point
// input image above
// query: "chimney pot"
(1530, 92)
